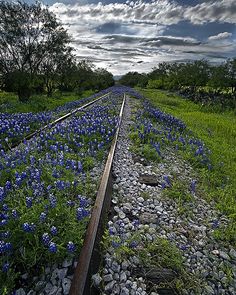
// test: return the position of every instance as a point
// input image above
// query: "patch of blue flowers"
(45, 187)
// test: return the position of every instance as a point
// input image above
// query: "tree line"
(36, 56)
(198, 80)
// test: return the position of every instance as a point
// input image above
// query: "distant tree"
(231, 68)
(30, 36)
(134, 79)
(103, 78)
(219, 79)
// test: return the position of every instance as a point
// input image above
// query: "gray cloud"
(220, 36)
(136, 33)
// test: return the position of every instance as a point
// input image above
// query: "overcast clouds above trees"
(139, 34)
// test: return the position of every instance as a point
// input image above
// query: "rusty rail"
(62, 118)
(88, 260)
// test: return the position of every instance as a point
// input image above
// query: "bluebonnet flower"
(167, 180)
(215, 223)
(2, 194)
(115, 244)
(5, 267)
(83, 202)
(5, 235)
(3, 222)
(183, 247)
(46, 239)
(133, 244)
(2, 247)
(5, 207)
(53, 230)
(29, 202)
(193, 186)
(81, 213)
(53, 201)
(28, 227)
(135, 222)
(112, 231)
(52, 247)
(8, 185)
(70, 247)
(80, 167)
(70, 203)
(14, 214)
(43, 216)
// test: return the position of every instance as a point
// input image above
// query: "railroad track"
(89, 258)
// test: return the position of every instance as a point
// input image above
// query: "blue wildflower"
(14, 214)
(29, 202)
(53, 230)
(133, 244)
(70, 247)
(43, 216)
(193, 186)
(52, 247)
(46, 239)
(5, 267)
(28, 227)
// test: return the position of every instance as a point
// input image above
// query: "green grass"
(218, 131)
(9, 102)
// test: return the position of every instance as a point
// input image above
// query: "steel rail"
(88, 263)
(60, 119)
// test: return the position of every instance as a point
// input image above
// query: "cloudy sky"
(134, 35)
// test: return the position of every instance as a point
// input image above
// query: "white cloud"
(220, 36)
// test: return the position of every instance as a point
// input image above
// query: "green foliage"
(9, 102)
(134, 79)
(161, 253)
(178, 191)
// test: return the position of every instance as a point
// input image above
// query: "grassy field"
(9, 102)
(218, 131)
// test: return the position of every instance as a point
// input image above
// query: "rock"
(124, 265)
(148, 180)
(232, 253)
(48, 288)
(115, 266)
(224, 255)
(20, 291)
(209, 290)
(53, 291)
(108, 278)
(121, 215)
(124, 291)
(66, 283)
(123, 277)
(127, 207)
(31, 292)
(67, 263)
(59, 274)
(140, 200)
(96, 278)
(147, 217)
(39, 286)
(110, 286)
(215, 252)
(116, 289)
(25, 276)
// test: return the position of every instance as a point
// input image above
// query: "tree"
(29, 36)
(134, 79)
(231, 67)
